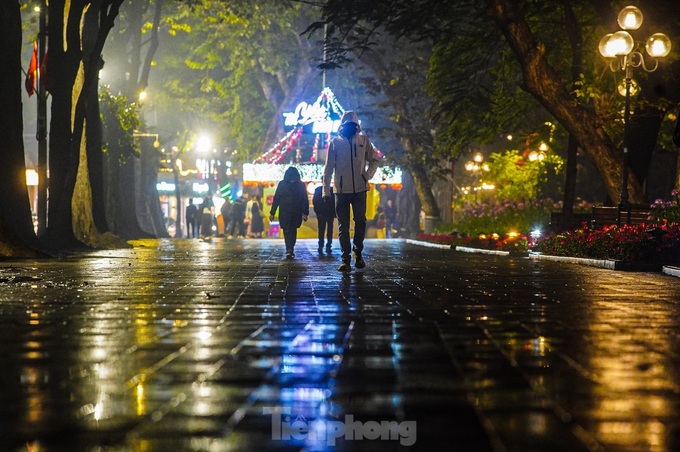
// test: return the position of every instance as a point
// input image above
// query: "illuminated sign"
(165, 187)
(323, 116)
(198, 187)
(316, 115)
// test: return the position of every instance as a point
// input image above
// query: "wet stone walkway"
(184, 345)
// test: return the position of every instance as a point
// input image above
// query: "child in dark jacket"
(325, 216)
(291, 198)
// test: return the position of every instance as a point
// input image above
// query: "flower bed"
(631, 243)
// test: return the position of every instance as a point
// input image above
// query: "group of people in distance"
(241, 218)
(351, 163)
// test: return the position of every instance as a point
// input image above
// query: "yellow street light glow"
(658, 45)
(478, 157)
(630, 18)
(203, 144)
(31, 177)
(622, 43)
(606, 50)
(634, 87)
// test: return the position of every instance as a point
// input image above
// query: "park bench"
(607, 216)
(601, 216)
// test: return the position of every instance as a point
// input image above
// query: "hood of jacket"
(291, 175)
(350, 117)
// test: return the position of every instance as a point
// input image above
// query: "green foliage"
(505, 216)
(119, 119)
(231, 66)
(517, 177)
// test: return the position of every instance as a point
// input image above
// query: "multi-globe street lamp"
(624, 53)
(476, 167)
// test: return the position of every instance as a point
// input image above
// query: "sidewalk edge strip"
(671, 271)
(467, 249)
(601, 263)
(428, 244)
(609, 264)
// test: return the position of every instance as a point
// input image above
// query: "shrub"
(507, 216)
(632, 243)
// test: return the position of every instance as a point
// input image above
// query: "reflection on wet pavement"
(185, 345)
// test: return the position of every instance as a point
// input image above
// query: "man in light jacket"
(352, 162)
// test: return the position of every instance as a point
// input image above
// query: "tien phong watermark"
(286, 427)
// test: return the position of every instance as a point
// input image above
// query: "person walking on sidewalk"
(391, 217)
(325, 216)
(291, 198)
(206, 211)
(238, 214)
(352, 162)
(191, 215)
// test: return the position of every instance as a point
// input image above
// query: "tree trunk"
(151, 215)
(16, 227)
(423, 186)
(63, 64)
(74, 65)
(414, 143)
(178, 201)
(153, 44)
(408, 210)
(571, 168)
(571, 173)
(275, 129)
(124, 187)
(135, 17)
(543, 82)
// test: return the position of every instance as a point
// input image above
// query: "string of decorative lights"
(276, 153)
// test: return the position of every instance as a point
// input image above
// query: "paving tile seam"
(158, 414)
(562, 415)
(269, 379)
(145, 373)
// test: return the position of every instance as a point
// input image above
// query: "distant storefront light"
(200, 187)
(31, 177)
(165, 187)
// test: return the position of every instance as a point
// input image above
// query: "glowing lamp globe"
(658, 45)
(630, 18)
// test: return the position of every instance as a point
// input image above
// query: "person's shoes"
(328, 249)
(289, 255)
(320, 250)
(345, 267)
(358, 260)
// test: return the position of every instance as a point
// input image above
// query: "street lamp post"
(623, 53)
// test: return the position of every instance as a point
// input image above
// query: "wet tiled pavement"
(184, 345)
